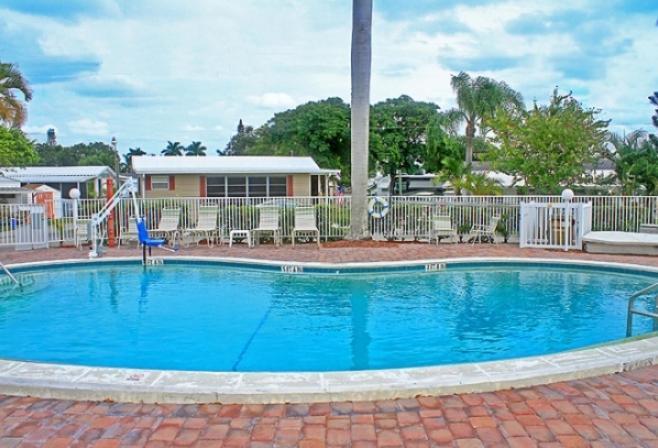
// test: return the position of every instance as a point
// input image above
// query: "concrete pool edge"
(155, 386)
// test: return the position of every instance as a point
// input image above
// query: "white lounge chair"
(130, 233)
(305, 222)
(206, 225)
(442, 228)
(81, 232)
(168, 225)
(268, 222)
(478, 232)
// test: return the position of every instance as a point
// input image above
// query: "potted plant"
(502, 227)
(463, 229)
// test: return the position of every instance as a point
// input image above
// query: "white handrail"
(9, 274)
(130, 186)
(631, 310)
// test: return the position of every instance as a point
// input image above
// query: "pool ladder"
(9, 274)
(632, 310)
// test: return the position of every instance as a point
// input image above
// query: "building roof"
(6, 182)
(56, 174)
(226, 165)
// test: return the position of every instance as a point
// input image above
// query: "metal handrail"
(645, 291)
(9, 274)
(631, 310)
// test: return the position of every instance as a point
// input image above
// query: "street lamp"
(567, 197)
(117, 160)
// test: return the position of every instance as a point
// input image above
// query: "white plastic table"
(240, 233)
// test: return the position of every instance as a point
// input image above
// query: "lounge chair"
(168, 225)
(442, 228)
(81, 232)
(488, 232)
(305, 222)
(129, 234)
(268, 222)
(206, 225)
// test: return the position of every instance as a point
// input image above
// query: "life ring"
(383, 209)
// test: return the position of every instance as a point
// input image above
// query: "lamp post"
(74, 194)
(567, 197)
(117, 160)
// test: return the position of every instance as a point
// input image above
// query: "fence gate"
(554, 225)
(31, 227)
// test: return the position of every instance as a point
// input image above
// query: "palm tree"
(478, 99)
(361, 66)
(12, 109)
(131, 153)
(195, 149)
(173, 149)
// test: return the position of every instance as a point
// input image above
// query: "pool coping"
(77, 382)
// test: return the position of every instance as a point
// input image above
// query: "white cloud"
(193, 128)
(160, 69)
(89, 127)
(272, 100)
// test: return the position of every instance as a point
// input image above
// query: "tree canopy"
(15, 148)
(195, 149)
(399, 134)
(477, 100)
(173, 149)
(636, 163)
(319, 129)
(12, 84)
(96, 153)
(547, 146)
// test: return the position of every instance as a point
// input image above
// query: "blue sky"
(148, 71)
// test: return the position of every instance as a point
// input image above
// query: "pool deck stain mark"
(251, 339)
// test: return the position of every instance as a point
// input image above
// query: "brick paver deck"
(617, 410)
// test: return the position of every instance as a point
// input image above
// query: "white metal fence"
(409, 217)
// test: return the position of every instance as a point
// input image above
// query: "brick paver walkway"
(618, 410)
(608, 411)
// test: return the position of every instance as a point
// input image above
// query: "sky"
(148, 71)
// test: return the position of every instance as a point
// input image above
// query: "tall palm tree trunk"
(470, 135)
(361, 65)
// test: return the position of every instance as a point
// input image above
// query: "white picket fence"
(409, 217)
(554, 225)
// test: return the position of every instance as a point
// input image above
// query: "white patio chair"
(168, 225)
(268, 222)
(484, 231)
(130, 233)
(305, 222)
(206, 225)
(441, 227)
(81, 232)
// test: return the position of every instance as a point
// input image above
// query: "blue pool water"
(222, 318)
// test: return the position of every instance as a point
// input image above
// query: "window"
(243, 186)
(159, 182)
(216, 186)
(257, 186)
(237, 187)
(278, 186)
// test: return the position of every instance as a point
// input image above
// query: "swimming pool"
(224, 317)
